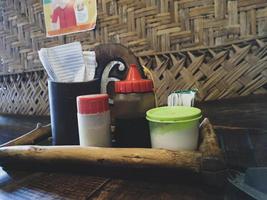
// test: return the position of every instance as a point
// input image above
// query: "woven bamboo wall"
(221, 72)
(145, 26)
(180, 40)
(24, 93)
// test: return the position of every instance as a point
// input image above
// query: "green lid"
(173, 114)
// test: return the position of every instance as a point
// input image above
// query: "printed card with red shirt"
(69, 16)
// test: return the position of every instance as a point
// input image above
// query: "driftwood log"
(212, 156)
(208, 157)
(101, 157)
(33, 137)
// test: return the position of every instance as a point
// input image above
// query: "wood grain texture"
(86, 157)
(38, 134)
(141, 190)
(45, 186)
(209, 145)
(124, 158)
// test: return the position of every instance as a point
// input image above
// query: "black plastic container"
(63, 109)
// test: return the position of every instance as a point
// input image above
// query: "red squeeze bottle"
(133, 97)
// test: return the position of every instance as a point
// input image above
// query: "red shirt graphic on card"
(66, 17)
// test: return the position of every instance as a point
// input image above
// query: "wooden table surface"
(240, 123)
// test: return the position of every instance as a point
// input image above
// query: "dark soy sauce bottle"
(133, 97)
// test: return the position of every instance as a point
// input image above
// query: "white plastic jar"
(94, 120)
(174, 128)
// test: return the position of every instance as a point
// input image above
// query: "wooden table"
(241, 125)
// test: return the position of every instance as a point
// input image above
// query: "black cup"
(63, 109)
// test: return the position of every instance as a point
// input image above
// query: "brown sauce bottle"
(133, 97)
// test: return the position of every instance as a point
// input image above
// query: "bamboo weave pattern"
(230, 71)
(144, 26)
(220, 72)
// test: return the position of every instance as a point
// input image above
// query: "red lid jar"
(92, 104)
(94, 120)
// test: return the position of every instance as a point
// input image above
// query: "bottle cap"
(92, 104)
(174, 114)
(133, 82)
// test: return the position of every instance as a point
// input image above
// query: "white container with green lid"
(174, 128)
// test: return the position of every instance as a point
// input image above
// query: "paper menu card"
(69, 16)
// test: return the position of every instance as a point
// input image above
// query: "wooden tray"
(207, 161)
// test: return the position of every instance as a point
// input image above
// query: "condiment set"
(137, 122)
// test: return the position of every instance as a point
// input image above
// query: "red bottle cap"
(133, 82)
(92, 104)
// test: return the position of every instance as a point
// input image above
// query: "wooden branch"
(33, 137)
(212, 159)
(207, 161)
(209, 145)
(78, 156)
